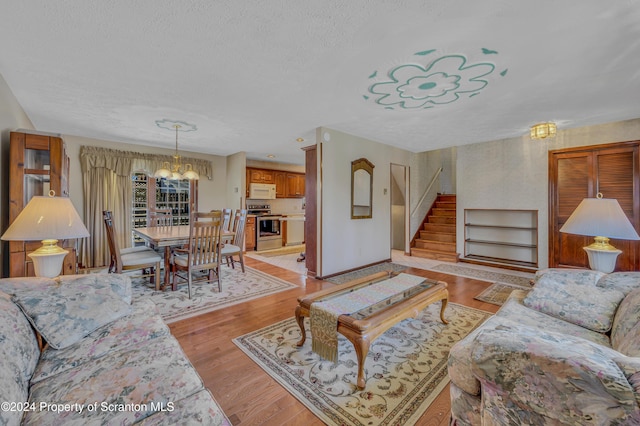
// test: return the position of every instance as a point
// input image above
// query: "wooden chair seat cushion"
(183, 262)
(141, 257)
(229, 249)
(136, 249)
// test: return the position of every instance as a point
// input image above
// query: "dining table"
(168, 237)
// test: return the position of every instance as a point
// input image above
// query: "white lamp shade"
(46, 217)
(600, 217)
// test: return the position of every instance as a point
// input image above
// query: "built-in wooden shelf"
(502, 236)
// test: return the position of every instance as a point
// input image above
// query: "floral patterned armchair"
(567, 352)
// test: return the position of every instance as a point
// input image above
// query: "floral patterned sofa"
(78, 351)
(566, 352)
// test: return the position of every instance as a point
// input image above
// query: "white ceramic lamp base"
(602, 260)
(48, 259)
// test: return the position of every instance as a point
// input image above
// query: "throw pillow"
(65, 314)
(563, 275)
(625, 334)
(120, 284)
(585, 305)
(626, 282)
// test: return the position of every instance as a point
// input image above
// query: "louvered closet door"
(580, 173)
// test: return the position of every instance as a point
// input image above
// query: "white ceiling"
(255, 75)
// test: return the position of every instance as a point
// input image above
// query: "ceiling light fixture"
(176, 172)
(300, 140)
(543, 130)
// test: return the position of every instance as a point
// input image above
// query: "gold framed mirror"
(361, 189)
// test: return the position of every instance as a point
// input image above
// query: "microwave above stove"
(262, 191)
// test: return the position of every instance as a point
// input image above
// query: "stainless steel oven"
(268, 234)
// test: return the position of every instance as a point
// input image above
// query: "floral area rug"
(498, 293)
(237, 287)
(386, 267)
(405, 370)
(485, 275)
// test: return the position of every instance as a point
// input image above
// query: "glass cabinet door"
(37, 173)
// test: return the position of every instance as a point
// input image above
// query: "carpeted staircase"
(437, 238)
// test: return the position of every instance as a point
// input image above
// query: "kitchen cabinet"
(295, 185)
(280, 179)
(250, 234)
(288, 184)
(37, 164)
(261, 176)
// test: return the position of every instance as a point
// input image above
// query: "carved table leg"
(361, 344)
(300, 321)
(444, 306)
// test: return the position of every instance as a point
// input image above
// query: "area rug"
(482, 274)
(237, 287)
(369, 270)
(498, 293)
(405, 370)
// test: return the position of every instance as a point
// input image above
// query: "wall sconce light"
(543, 130)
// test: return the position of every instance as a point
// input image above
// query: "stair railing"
(426, 191)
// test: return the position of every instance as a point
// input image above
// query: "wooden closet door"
(571, 184)
(617, 177)
(580, 173)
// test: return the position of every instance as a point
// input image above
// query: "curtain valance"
(123, 163)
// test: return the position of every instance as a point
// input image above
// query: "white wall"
(513, 173)
(236, 180)
(347, 243)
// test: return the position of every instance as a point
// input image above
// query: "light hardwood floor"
(247, 394)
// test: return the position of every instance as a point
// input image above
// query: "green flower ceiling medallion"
(431, 81)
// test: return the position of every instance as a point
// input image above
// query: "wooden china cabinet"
(37, 164)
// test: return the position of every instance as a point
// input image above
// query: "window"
(151, 193)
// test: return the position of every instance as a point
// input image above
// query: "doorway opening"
(399, 207)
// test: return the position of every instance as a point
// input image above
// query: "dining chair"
(160, 217)
(226, 219)
(132, 258)
(228, 251)
(203, 251)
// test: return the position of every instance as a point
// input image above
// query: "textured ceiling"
(256, 75)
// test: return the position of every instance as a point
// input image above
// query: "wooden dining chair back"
(160, 218)
(236, 248)
(203, 251)
(132, 258)
(226, 219)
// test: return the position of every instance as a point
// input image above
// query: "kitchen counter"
(298, 218)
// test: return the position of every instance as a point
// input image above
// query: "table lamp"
(47, 218)
(601, 218)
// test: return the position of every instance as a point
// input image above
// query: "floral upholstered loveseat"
(78, 351)
(566, 352)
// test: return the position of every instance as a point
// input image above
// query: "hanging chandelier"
(175, 171)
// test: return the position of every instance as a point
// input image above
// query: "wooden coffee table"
(363, 327)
